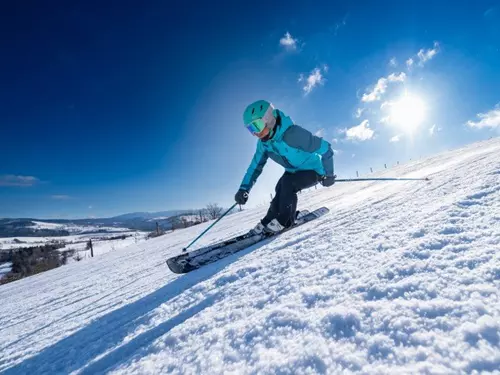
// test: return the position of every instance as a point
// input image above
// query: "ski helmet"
(258, 116)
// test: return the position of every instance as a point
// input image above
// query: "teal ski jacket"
(294, 148)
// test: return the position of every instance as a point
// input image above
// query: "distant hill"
(145, 221)
(149, 215)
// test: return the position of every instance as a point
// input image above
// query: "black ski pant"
(284, 203)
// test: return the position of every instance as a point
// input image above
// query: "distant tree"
(176, 222)
(214, 211)
(31, 260)
(64, 257)
(184, 221)
(202, 216)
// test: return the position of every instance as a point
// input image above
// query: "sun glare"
(408, 112)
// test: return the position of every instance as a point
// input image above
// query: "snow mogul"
(307, 160)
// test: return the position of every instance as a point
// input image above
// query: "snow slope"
(400, 277)
(105, 244)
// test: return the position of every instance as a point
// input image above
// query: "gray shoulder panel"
(300, 138)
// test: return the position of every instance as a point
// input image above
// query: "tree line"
(32, 260)
(211, 212)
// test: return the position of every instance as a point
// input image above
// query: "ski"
(195, 259)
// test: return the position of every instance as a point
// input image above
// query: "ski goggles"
(259, 124)
(256, 126)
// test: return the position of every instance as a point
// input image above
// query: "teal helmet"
(259, 115)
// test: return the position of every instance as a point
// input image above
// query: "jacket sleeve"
(255, 169)
(298, 137)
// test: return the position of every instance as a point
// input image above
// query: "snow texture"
(104, 244)
(400, 277)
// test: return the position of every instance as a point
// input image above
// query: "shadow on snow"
(100, 343)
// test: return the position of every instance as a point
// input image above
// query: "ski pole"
(382, 179)
(206, 230)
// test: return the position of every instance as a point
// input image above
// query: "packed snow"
(107, 244)
(400, 277)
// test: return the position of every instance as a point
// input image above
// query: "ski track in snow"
(399, 277)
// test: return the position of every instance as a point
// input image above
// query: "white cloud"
(385, 104)
(314, 79)
(288, 41)
(359, 112)
(336, 152)
(377, 91)
(335, 140)
(401, 77)
(385, 120)
(13, 180)
(353, 155)
(426, 55)
(393, 62)
(320, 133)
(90, 207)
(60, 197)
(361, 132)
(381, 86)
(409, 63)
(423, 56)
(490, 119)
(339, 25)
(396, 138)
(434, 129)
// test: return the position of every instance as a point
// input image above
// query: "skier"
(307, 160)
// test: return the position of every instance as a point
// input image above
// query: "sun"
(408, 112)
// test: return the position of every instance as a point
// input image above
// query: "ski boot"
(274, 227)
(257, 230)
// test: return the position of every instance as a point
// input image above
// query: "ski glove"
(328, 180)
(241, 196)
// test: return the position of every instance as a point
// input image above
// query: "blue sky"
(112, 107)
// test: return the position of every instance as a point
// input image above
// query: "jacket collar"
(282, 124)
